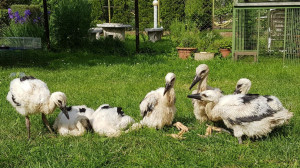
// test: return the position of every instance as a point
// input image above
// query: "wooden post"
(137, 27)
(108, 11)
(46, 24)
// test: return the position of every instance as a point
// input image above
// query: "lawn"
(94, 77)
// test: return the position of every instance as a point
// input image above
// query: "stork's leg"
(218, 129)
(27, 122)
(180, 126)
(240, 140)
(46, 123)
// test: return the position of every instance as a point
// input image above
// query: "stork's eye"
(172, 79)
(60, 102)
(238, 86)
(203, 71)
(204, 95)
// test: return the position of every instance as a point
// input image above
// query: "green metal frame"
(238, 38)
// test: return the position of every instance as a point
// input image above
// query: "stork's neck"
(49, 106)
(202, 86)
(170, 96)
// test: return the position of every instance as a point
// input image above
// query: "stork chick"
(202, 109)
(78, 122)
(29, 95)
(246, 114)
(110, 121)
(244, 85)
(158, 107)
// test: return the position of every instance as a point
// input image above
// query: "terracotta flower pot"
(184, 53)
(224, 52)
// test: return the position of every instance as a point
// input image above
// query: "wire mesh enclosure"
(20, 43)
(267, 28)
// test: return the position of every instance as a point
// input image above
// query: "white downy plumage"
(158, 107)
(78, 122)
(246, 114)
(243, 86)
(110, 121)
(29, 95)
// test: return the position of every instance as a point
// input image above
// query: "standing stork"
(29, 95)
(158, 107)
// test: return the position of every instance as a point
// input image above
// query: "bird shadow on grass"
(107, 52)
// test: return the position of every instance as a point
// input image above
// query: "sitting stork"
(247, 114)
(158, 107)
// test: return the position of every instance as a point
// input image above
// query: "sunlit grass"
(94, 77)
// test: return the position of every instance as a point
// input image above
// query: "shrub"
(145, 14)
(225, 43)
(121, 13)
(184, 34)
(4, 20)
(207, 39)
(199, 12)
(70, 22)
(97, 13)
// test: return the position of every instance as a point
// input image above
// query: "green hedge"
(121, 13)
(170, 11)
(70, 22)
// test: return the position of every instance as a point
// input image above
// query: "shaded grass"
(93, 77)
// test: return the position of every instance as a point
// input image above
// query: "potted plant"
(225, 46)
(185, 36)
(205, 45)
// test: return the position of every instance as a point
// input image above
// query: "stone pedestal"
(204, 56)
(95, 33)
(114, 30)
(154, 34)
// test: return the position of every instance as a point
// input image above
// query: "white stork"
(29, 95)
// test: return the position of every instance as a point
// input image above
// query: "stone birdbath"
(154, 34)
(114, 30)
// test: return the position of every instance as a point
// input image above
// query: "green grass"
(94, 76)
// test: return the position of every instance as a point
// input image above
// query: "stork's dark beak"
(195, 96)
(65, 111)
(237, 91)
(195, 81)
(167, 87)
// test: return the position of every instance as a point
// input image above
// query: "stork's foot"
(210, 128)
(180, 126)
(178, 136)
(218, 129)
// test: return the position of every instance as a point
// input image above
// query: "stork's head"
(242, 86)
(207, 96)
(60, 100)
(201, 73)
(170, 81)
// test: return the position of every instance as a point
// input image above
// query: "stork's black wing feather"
(26, 78)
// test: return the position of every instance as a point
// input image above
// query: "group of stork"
(244, 114)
